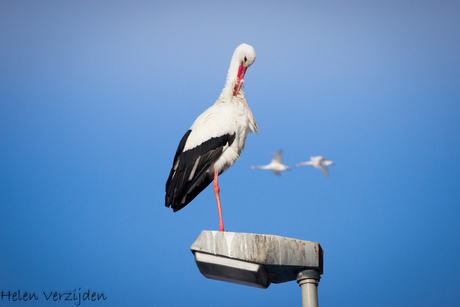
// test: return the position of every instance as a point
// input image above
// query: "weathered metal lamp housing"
(254, 259)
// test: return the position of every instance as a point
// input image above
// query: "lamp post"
(308, 281)
(258, 260)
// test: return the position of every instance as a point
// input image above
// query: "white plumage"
(225, 117)
(318, 162)
(215, 140)
(276, 165)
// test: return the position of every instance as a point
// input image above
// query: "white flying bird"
(215, 140)
(276, 166)
(318, 162)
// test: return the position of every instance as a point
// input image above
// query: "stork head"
(243, 57)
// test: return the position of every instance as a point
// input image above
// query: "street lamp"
(258, 260)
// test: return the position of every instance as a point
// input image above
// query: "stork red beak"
(241, 72)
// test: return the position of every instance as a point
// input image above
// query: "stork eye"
(245, 59)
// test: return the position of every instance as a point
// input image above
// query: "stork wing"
(324, 170)
(189, 174)
(277, 156)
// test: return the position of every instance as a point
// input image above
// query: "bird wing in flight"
(324, 170)
(277, 156)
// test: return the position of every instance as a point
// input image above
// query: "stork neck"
(232, 81)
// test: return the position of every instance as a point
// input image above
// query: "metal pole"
(308, 281)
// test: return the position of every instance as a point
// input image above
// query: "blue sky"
(95, 96)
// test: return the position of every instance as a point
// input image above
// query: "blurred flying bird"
(276, 166)
(318, 162)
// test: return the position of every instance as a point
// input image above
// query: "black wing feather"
(180, 189)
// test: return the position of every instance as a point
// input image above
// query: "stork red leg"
(216, 191)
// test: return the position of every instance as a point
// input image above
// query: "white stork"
(318, 162)
(276, 166)
(215, 140)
